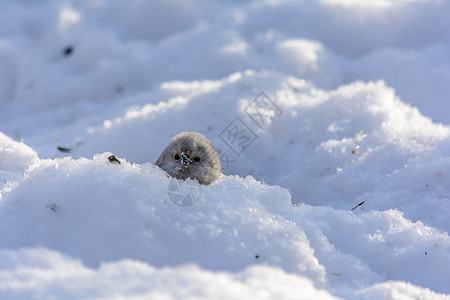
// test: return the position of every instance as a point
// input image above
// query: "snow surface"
(338, 189)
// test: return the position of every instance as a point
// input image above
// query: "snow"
(330, 119)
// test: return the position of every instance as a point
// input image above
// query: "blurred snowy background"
(354, 107)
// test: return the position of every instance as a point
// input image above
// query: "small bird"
(191, 155)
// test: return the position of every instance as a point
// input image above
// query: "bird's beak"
(185, 160)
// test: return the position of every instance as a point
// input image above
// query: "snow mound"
(365, 248)
(99, 211)
(44, 274)
(398, 290)
(14, 156)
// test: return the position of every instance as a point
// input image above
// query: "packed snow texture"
(331, 120)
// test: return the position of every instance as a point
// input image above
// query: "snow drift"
(330, 119)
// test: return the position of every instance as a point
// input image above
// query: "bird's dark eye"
(177, 156)
(196, 159)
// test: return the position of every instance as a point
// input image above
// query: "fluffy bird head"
(190, 155)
